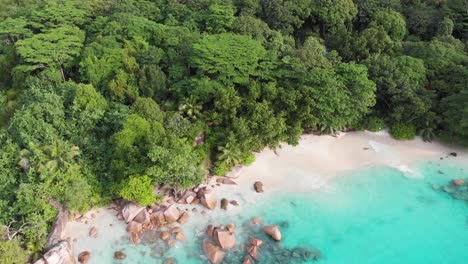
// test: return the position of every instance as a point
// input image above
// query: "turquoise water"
(374, 216)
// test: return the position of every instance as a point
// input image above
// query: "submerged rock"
(273, 232)
(458, 182)
(170, 261)
(119, 255)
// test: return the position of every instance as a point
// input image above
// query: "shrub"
(221, 168)
(403, 131)
(375, 124)
(248, 158)
(138, 189)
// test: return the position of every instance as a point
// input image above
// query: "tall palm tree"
(190, 108)
(229, 154)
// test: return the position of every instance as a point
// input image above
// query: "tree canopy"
(110, 99)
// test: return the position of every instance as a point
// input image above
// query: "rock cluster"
(457, 189)
(223, 238)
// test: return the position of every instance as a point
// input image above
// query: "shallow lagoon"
(374, 215)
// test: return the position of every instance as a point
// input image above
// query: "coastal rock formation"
(130, 211)
(214, 254)
(176, 230)
(61, 253)
(258, 186)
(158, 218)
(273, 232)
(208, 200)
(165, 235)
(171, 214)
(224, 238)
(458, 182)
(224, 204)
(134, 227)
(256, 220)
(170, 261)
(84, 257)
(230, 228)
(210, 230)
(142, 217)
(225, 180)
(256, 242)
(183, 218)
(247, 260)
(119, 255)
(180, 237)
(253, 252)
(235, 172)
(93, 232)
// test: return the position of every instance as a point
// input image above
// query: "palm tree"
(190, 108)
(229, 155)
(59, 155)
(49, 158)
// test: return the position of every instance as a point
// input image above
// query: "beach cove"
(361, 198)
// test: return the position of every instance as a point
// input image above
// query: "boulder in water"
(84, 257)
(224, 238)
(253, 252)
(273, 232)
(180, 237)
(230, 228)
(258, 186)
(210, 230)
(208, 200)
(247, 260)
(183, 218)
(214, 253)
(134, 227)
(256, 242)
(224, 204)
(93, 232)
(165, 235)
(171, 214)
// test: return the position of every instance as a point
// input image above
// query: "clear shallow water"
(374, 216)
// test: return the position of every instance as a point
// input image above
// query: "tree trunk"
(63, 74)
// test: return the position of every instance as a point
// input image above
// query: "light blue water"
(375, 216)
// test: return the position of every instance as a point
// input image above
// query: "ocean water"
(377, 215)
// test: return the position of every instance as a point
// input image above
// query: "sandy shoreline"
(306, 167)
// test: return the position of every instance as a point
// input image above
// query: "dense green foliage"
(103, 99)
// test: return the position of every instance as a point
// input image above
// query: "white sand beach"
(305, 167)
